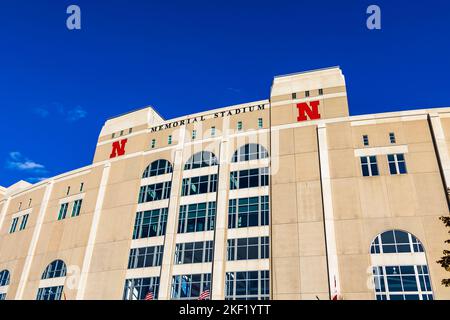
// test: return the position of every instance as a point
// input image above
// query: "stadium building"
(284, 198)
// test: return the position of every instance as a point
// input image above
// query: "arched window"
(201, 159)
(399, 266)
(55, 269)
(4, 278)
(157, 168)
(251, 151)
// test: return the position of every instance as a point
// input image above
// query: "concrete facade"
(324, 213)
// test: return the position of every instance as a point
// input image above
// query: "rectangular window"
(194, 134)
(138, 288)
(14, 225)
(249, 178)
(239, 125)
(153, 143)
(397, 163)
(155, 192)
(130, 130)
(247, 285)
(113, 136)
(199, 185)
(369, 166)
(63, 211)
(248, 212)
(190, 286)
(150, 223)
(197, 217)
(248, 248)
(145, 257)
(194, 252)
(294, 96)
(76, 208)
(320, 92)
(50, 293)
(169, 140)
(392, 139)
(213, 131)
(121, 132)
(306, 94)
(260, 123)
(23, 224)
(2, 296)
(365, 140)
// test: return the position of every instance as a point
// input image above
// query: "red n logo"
(312, 111)
(118, 148)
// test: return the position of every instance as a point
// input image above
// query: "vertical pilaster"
(171, 227)
(34, 240)
(330, 236)
(441, 151)
(93, 233)
(4, 211)
(220, 233)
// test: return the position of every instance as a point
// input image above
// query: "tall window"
(260, 123)
(408, 281)
(63, 211)
(365, 140)
(251, 151)
(397, 163)
(150, 223)
(13, 227)
(369, 166)
(76, 208)
(169, 140)
(248, 248)
(154, 192)
(190, 286)
(247, 285)
(153, 145)
(197, 217)
(4, 281)
(194, 252)
(56, 269)
(213, 131)
(249, 178)
(23, 224)
(194, 134)
(239, 125)
(50, 293)
(4, 278)
(392, 139)
(138, 288)
(199, 185)
(157, 168)
(248, 212)
(145, 257)
(201, 159)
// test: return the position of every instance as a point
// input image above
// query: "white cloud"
(76, 113)
(17, 161)
(69, 114)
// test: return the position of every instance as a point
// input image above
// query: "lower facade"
(284, 198)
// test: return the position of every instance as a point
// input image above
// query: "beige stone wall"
(311, 181)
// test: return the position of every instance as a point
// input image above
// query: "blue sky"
(57, 87)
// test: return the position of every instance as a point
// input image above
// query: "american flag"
(204, 295)
(149, 296)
